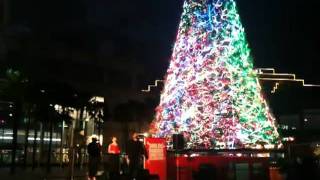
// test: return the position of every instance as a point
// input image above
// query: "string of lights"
(262, 74)
(156, 83)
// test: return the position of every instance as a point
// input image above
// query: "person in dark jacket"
(135, 152)
(94, 151)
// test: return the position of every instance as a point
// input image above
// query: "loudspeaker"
(178, 141)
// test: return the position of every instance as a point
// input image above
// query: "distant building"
(307, 121)
(83, 126)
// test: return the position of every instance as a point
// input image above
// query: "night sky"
(62, 39)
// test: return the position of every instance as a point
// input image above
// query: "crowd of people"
(133, 159)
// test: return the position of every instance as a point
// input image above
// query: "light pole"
(2, 138)
(2, 128)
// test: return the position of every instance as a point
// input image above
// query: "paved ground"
(63, 174)
(40, 174)
(57, 174)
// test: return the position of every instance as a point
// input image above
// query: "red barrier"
(195, 166)
(275, 174)
(157, 161)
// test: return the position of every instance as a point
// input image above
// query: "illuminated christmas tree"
(212, 94)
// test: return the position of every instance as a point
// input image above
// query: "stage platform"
(220, 164)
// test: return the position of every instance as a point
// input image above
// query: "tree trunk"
(61, 143)
(14, 146)
(42, 129)
(71, 149)
(84, 142)
(126, 135)
(80, 157)
(15, 127)
(34, 150)
(26, 141)
(50, 146)
(99, 128)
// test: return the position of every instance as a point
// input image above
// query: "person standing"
(94, 151)
(135, 153)
(113, 147)
(114, 159)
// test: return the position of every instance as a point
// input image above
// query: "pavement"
(40, 174)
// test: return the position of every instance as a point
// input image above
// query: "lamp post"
(2, 128)
(2, 138)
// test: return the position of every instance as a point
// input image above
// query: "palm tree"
(14, 91)
(65, 119)
(34, 146)
(96, 112)
(55, 117)
(28, 117)
(55, 93)
(39, 115)
(48, 116)
(133, 111)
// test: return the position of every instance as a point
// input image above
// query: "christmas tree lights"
(212, 94)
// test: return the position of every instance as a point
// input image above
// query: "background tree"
(14, 91)
(133, 111)
(96, 113)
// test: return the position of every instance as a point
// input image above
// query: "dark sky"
(64, 38)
